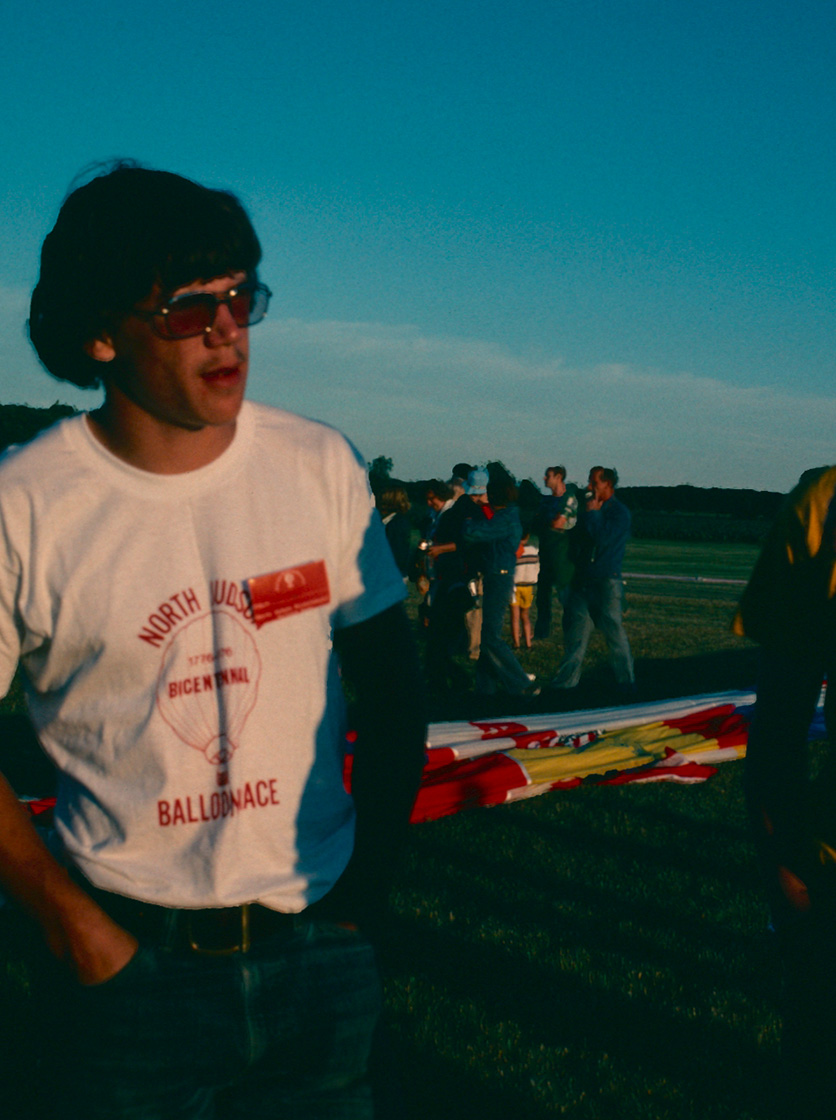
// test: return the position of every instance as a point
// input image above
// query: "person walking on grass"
(597, 591)
(497, 667)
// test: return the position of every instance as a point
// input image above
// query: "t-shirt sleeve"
(570, 511)
(9, 631)
(368, 580)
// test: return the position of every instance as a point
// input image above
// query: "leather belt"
(216, 932)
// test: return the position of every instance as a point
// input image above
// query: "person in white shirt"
(183, 574)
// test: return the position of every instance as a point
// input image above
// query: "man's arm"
(76, 929)
(571, 511)
(608, 523)
(439, 549)
(380, 665)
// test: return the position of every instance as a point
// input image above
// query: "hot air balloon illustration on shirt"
(208, 685)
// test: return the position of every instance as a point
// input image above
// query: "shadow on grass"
(415, 1081)
(722, 671)
(656, 679)
(620, 930)
(584, 1024)
(677, 933)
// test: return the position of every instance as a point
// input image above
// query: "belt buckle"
(200, 944)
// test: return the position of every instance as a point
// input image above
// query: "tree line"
(684, 512)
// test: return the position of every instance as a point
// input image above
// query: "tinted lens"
(240, 305)
(261, 298)
(190, 315)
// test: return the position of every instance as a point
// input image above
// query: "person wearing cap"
(460, 475)
(182, 617)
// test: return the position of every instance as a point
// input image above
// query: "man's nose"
(224, 329)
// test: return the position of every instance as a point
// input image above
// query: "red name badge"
(294, 589)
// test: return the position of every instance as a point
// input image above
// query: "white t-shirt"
(200, 753)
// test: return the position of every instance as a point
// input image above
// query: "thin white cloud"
(428, 400)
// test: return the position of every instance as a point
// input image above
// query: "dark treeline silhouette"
(687, 513)
(702, 499)
(20, 422)
(694, 513)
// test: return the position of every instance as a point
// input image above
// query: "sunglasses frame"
(158, 317)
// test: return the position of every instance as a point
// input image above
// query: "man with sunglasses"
(180, 573)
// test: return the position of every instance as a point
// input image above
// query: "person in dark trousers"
(497, 667)
(597, 590)
(183, 575)
(789, 608)
(555, 522)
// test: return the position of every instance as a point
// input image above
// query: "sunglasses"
(194, 313)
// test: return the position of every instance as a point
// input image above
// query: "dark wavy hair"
(117, 236)
(502, 492)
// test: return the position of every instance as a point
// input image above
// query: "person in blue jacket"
(499, 535)
(597, 590)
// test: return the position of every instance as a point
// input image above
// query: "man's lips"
(222, 374)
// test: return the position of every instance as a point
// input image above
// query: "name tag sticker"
(279, 594)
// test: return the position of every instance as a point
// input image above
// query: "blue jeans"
(497, 666)
(550, 578)
(596, 603)
(284, 1030)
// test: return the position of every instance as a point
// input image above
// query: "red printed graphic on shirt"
(199, 807)
(279, 594)
(208, 685)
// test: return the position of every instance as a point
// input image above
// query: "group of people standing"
(470, 542)
(211, 889)
(477, 560)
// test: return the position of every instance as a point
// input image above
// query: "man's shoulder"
(26, 460)
(290, 430)
(461, 509)
(291, 425)
(618, 509)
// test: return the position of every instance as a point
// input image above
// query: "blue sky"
(537, 230)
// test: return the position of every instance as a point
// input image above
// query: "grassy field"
(707, 561)
(595, 953)
(598, 953)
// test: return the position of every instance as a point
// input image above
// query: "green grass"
(594, 953)
(599, 953)
(709, 561)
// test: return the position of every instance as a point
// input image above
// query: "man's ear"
(100, 349)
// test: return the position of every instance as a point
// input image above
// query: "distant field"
(710, 561)
(597, 954)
